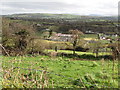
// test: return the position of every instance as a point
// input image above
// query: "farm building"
(61, 37)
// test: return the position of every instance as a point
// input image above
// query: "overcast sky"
(81, 7)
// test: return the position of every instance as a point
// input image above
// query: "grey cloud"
(39, 5)
(53, 7)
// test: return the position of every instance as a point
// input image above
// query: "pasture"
(58, 72)
(78, 52)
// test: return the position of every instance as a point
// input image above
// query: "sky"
(79, 7)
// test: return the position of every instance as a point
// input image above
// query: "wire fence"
(63, 76)
(70, 78)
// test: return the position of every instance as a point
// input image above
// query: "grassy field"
(78, 52)
(70, 52)
(58, 72)
(94, 36)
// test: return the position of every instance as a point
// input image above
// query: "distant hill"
(43, 15)
(61, 16)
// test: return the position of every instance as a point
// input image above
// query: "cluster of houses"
(107, 36)
(61, 37)
(68, 37)
(103, 36)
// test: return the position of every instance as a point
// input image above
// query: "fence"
(59, 75)
(102, 86)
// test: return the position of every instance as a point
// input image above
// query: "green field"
(58, 72)
(78, 52)
(94, 36)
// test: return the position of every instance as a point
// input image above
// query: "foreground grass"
(58, 72)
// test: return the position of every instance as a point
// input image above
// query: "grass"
(93, 36)
(77, 52)
(63, 73)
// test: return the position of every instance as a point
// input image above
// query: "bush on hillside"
(37, 47)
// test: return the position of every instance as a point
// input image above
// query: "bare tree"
(115, 47)
(75, 40)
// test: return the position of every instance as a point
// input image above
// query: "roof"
(60, 34)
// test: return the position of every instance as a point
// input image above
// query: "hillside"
(61, 16)
(61, 23)
(43, 15)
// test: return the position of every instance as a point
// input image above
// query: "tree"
(45, 34)
(50, 33)
(75, 39)
(115, 47)
(96, 46)
(22, 42)
(16, 36)
(52, 29)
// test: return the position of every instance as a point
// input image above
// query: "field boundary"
(62, 76)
